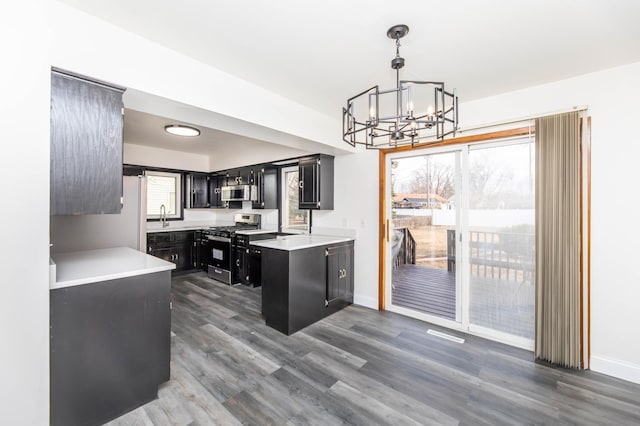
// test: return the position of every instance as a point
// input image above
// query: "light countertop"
(298, 242)
(89, 266)
(256, 231)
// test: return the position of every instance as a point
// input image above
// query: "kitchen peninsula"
(110, 333)
(304, 279)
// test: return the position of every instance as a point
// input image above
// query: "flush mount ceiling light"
(412, 112)
(181, 130)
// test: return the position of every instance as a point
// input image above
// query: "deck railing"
(502, 255)
(406, 247)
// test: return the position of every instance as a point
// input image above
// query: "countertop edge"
(92, 266)
(269, 244)
(108, 277)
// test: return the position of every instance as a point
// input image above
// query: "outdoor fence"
(501, 255)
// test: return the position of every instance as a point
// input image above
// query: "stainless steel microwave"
(239, 193)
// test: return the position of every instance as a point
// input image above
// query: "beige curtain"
(558, 284)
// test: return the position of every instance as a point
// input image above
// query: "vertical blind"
(558, 240)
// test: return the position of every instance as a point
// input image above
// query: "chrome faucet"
(163, 216)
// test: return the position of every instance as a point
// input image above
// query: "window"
(163, 189)
(294, 220)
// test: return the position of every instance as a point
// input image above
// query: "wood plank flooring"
(358, 367)
(428, 290)
(501, 305)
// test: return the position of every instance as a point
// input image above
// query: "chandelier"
(412, 112)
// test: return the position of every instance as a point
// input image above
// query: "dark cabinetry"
(109, 347)
(300, 287)
(216, 182)
(266, 181)
(86, 146)
(316, 182)
(339, 274)
(197, 190)
(178, 247)
(203, 254)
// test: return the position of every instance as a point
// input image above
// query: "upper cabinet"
(86, 146)
(266, 182)
(198, 190)
(216, 182)
(316, 182)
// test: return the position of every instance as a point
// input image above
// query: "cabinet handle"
(237, 262)
(247, 250)
(301, 184)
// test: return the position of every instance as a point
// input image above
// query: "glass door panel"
(423, 248)
(501, 238)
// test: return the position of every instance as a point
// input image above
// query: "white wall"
(612, 97)
(24, 187)
(149, 156)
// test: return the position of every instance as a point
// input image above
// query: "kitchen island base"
(110, 347)
(302, 286)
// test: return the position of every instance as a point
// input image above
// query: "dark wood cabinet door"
(215, 192)
(177, 247)
(308, 182)
(257, 179)
(86, 147)
(240, 266)
(199, 188)
(339, 274)
(316, 182)
(270, 189)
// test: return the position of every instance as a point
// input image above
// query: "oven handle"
(216, 238)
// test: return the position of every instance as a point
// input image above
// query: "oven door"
(219, 252)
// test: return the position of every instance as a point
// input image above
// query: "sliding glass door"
(501, 239)
(423, 228)
(460, 250)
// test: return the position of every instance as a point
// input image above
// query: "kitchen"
(90, 232)
(63, 35)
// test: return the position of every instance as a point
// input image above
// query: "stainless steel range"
(219, 247)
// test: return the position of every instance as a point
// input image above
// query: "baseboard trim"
(614, 367)
(367, 302)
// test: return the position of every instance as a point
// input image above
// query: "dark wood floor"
(428, 290)
(358, 367)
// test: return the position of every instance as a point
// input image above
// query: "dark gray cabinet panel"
(216, 182)
(266, 182)
(109, 347)
(339, 274)
(296, 284)
(86, 147)
(198, 190)
(316, 182)
(179, 247)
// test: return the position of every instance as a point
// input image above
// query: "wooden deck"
(428, 290)
(501, 305)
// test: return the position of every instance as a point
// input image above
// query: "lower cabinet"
(109, 347)
(300, 287)
(339, 274)
(179, 247)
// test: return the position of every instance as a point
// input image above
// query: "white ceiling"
(320, 53)
(225, 150)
